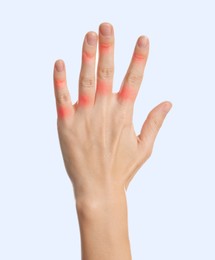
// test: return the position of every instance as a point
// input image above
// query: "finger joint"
(134, 78)
(105, 73)
(86, 82)
(62, 97)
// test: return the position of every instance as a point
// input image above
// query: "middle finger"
(105, 68)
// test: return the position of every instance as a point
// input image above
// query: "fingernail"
(166, 108)
(106, 29)
(59, 66)
(143, 41)
(91, 39)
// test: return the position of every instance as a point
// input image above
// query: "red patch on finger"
(138, 57)
(84, 100)
(86, 56)
(59, 83)
(63, 111)
(103, 88)
(127, 93)
(104, 47)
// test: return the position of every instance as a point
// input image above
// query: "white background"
(171, 199)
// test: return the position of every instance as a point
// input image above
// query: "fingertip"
(143, 41)
(166, 107)
(59, 65)
(106, 28)
(91, 38)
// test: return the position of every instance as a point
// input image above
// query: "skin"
(101, 151)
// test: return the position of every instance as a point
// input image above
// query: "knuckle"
(105, 45)
(86, 82)
(139, 57)
(106, 72)
(62, 97)
(87, 55)
(134, 78)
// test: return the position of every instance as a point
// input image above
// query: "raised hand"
(100, 148)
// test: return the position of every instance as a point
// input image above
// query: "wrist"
(96, 192)
(103, 221)
(101, 200)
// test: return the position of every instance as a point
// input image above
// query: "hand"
(100, 148)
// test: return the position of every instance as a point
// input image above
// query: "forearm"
(104, 227)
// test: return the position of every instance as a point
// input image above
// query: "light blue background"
(171, 199)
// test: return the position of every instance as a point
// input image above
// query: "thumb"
(153, 124)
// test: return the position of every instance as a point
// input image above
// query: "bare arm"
(100, 148)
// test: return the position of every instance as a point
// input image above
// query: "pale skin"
(101, 151)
